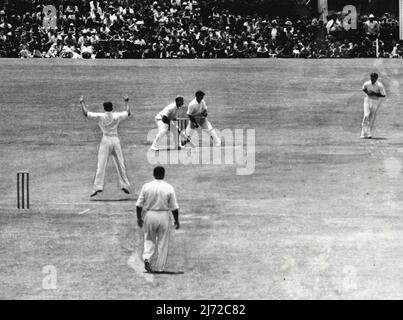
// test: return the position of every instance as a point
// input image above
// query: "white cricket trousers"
(110, 146)
(163, 129)
(157, 226)
(371, 107)
(206, 125)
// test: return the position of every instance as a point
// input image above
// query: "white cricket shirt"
(196, 109)
(108, 121)
(377, 88)
(157, 195)
(170, 111)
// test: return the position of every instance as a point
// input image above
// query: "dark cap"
(200, 93)
(108, 106)
(159, 173)
(179, 98)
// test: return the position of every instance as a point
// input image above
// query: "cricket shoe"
(154, 149)
(95, 193)
(147, 266)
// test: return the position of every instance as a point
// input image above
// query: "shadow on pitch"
(167, 272)
(166, 149)
(114, 200)
(378, 139)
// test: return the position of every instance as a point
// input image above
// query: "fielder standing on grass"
(375, 92)
(197, 113)
(109, 121)
(163, 120)
(157, 198)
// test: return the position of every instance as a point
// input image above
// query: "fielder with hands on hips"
(197, 113)
(375, 91)
(163, 120)
(157, 198)
(109, 121)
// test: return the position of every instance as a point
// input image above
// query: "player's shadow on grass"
(168, 272)
(114, 200)
(380, 139)
(166, 149)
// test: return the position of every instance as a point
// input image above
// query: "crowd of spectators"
(142, 29)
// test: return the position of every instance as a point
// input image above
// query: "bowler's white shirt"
(157, 195)
(377, 88)
(108, 121)
(170, 111)
(196, 109)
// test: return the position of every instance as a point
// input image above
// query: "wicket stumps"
(182, 124)
(23, 190)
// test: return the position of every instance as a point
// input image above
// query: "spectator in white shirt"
(334, 25)
(371, 27)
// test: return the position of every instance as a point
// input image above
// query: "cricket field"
(320, 216)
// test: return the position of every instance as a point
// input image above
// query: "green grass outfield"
(321, 217)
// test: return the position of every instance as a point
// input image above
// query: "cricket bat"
(182, 134)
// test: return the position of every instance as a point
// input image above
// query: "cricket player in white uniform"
(197, 113)
(163, 120)
(374, 91)
(109, 121)
(157, 198)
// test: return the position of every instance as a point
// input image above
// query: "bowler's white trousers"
(371, 107)
(157, 226)
(110, 146)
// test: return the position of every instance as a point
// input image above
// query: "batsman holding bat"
(197, 113)
(163, 120)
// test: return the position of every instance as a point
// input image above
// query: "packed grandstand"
(141, 29)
